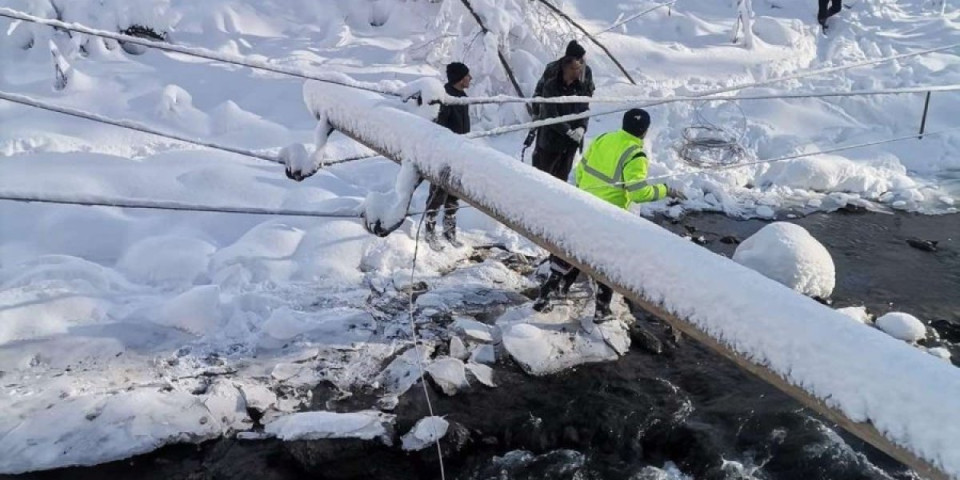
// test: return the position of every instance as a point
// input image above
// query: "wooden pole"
(863, 430)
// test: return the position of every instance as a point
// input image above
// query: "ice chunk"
(788, 254)
(473, 329)
(482, 373)
(484, 354)
(449, 374)
(226, 404)
(365, 425)
(457, 349)
(901, 325)
(426, 432)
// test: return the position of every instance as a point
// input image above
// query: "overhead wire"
(195, 52)
(100, 201)
(131, 125)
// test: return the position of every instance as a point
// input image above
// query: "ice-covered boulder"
(901, 325)
(788, 254)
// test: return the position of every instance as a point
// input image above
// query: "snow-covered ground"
(129, 329)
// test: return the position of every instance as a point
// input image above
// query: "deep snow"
(201, 315)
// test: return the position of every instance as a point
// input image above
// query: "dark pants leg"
(450, 206)
(604, 295)
(435, 200)
(829, 8)
(836, 6)
(565, 164)
(557, 164)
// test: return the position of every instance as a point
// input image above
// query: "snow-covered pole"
(894, 397)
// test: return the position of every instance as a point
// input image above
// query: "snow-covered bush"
(788, 254)
(521, 30)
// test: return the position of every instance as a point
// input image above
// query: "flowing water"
(683, 413)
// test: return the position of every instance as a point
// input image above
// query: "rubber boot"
(431, 234)
(450, 230)
(546, 288)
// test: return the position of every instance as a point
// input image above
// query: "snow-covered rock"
(365, 425)
(901, 325)
(857, 313)
(787, 253)
(426, 432)
(167, 260)
(450, 374)
(196, 311)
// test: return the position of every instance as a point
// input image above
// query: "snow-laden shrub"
(527, 36)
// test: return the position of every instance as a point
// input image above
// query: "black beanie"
(575, 50)
(456, 71)
(636, 122)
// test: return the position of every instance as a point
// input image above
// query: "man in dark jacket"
(574, 50)
(457, 119)
(557, 144)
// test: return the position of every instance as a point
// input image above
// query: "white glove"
(576, 134)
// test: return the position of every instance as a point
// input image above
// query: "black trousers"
(557, 164)
(834, 8)
(569, 274)
(439, 199)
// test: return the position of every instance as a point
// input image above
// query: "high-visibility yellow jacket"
(615, 169)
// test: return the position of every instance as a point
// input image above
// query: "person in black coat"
(457, 119)
(574, 50)
(557, 144)
(834, 8)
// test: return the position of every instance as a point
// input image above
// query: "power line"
(97, 201)
(912, 136)
(796, 76)
(130, 125)
(198, 52)
(810, 154)
(691, 98)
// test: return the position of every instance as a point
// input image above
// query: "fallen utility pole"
(835, 367)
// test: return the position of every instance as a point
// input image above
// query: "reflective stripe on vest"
(617, 180)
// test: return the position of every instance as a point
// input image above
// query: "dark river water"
(647, 416)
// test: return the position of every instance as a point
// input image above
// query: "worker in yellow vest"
(614, 169)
